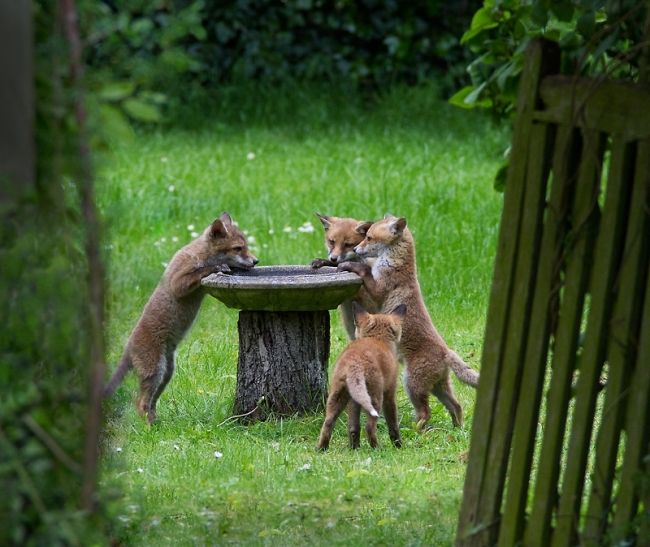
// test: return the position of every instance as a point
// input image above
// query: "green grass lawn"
(272, 158)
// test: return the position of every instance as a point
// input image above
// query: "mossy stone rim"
(283, 288)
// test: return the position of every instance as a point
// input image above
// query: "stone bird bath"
(284, 334)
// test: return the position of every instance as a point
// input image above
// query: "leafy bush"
(368, 41)
(166, 45)
(596, 37)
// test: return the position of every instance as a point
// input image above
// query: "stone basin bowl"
(283, 288)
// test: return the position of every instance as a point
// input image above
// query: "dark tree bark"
(282, 359)
(95, 287)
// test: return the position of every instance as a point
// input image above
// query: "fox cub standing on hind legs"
(173, 306)
(342, 235)
(392, 280)
(366, 376)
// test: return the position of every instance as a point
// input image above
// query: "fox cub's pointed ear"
(358, 311)
(226, 219)
(362, 228)
(324, 220)
(400, 310)
(397, 226)
(218, 229)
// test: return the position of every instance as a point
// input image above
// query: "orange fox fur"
(391, 281)
(342, 235)
(173, 306)
(365, 375)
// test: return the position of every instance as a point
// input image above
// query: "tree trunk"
(282, 367)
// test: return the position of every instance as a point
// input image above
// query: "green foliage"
(367, 42)
(132, 48)
(43, 343)
(170, 46)
(596, 37)
(271, 156)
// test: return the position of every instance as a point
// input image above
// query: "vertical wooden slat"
(637, 428)
(542, 58)
(527, 413)
(622, 347)
(528, 256)
(566, 339)
(545, 496)
(609, 247)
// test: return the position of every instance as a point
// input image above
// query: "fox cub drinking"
(173, 306)
(366, 376)
(342, 235)
(391, 281)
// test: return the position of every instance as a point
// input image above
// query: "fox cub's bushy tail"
(356, 383)
(462, 370)
(118, 375)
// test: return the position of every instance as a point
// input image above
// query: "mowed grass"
(272, 157)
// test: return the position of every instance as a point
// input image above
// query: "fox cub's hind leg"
(390, 413)
(335, 404)
(371, 423)
(354, 424)
(166, 377)
(152, 381)
(445, 393)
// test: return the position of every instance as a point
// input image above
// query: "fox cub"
(342, 235)
(391, 281)
(173, 306)
(366, 376)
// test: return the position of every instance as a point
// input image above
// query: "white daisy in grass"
(251, 239)
(271, 231)
(218, 454)
(140, 470)
(175, 239)
(306, 228)
(194, 234)
(118, 449)
(287, 229)
(250, 156)
(305, 467)
(171, 188)
(190, 227)
(164, 159)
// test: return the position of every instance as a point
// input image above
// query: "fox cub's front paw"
(222, 268)
(319, 263)
(354, 267)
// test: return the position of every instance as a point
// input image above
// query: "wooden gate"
(560, 441)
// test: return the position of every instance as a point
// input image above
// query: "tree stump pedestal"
(284, 334)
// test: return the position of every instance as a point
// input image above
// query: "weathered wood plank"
(637, 429)
(624, 323)
(545, 493)
(609, 246)
(582, 238)
(565, 161)
(602, 105)
(542, 58)
(539, 164)
(584, 222)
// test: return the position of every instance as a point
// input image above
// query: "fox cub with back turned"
(391, 280)
(173, 306)
(365, 375)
